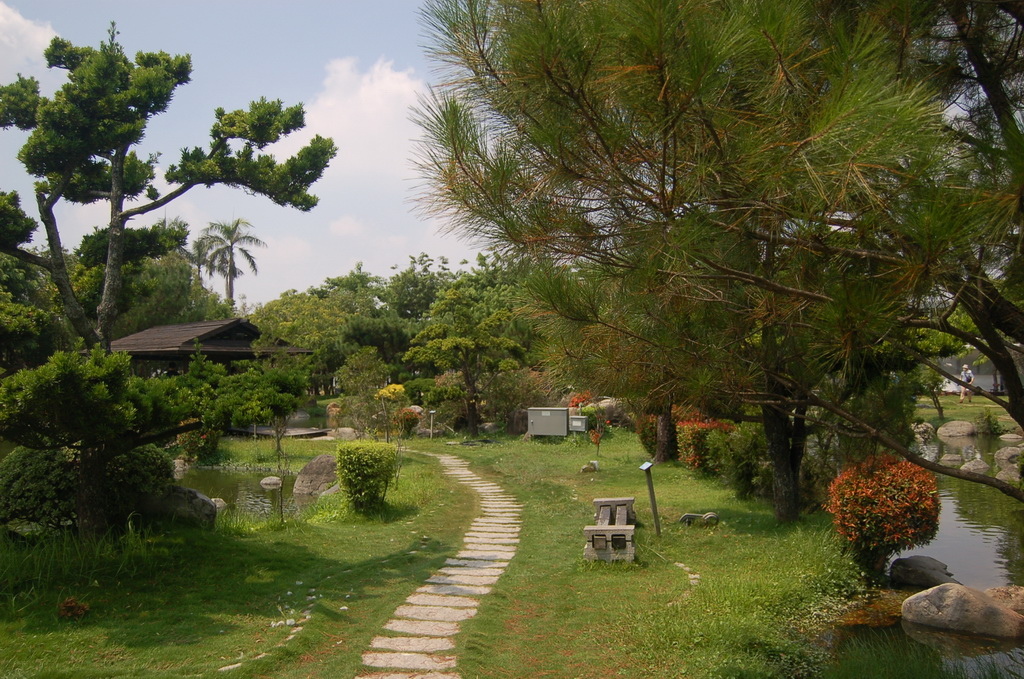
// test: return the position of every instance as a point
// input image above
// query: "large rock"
(518, 423)
(615, 413)
(1009, 474)
(346, 434)
(1011, 436)
(951, 460)
(955, 607)
(957, 429)
(1007, 456)
(317, 476)
(1011, 596)
(181, 504)
(977, 466)
(920, 571)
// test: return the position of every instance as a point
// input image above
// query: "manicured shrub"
(406, 421)
(882, 505)
(694, 444)
(39, 486)
(647, 432)
(365, 470)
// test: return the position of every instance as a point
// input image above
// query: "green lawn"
(186, 603)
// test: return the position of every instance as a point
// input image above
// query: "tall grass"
(39, 567)
(894, 657)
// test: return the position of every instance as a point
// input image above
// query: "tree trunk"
(92, 519)
(785, 450)
(667, 447)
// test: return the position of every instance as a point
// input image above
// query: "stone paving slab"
(443, 600)
(489, 540)
(461, 580)
(476, 563)
(465, 570)
(430, 628)
(494, 529)
(495, 521)
(486, 556)
(454, 590)
(409, 661)
(435, 613)
(413, 644)
(489, 545)
(407, 675)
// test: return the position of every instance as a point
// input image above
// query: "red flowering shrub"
(647, 432)
(406, 421)
(198, 445)
(580, 398)
(882, 505)
(694, 448)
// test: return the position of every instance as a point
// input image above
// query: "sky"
(357, 66)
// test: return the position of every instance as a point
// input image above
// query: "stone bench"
(611, 538)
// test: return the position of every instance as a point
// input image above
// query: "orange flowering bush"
(198, 445)
(882, 505)
(694, 448)
(580, 398)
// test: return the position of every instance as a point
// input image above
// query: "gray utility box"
(548, 421)
(577, 423)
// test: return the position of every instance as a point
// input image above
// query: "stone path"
(417, 641)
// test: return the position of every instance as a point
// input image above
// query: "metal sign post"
(646, 466)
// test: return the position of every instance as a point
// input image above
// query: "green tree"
(95, 406)
(468, 337)
(224, 244)
(669, 168)
(361, 378)
(81, 151)
(267, 392)
(410, 292)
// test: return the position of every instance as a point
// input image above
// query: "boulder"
(346, 434)
(271, 482)
(951, 460)
(180, 467)
(517, 423)
(956, 429)
(317, 476)
(1007, 456)
(615, 412)
(955, 607)
(1009, 474)
(1011, 596)
(1011, 436)
(219, 503)
(333, 490)
(977, 466)
(920, 571)
(490, 428)
(182, 504)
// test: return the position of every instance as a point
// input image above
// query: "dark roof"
(227, 340)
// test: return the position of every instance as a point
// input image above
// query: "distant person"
(966, 376)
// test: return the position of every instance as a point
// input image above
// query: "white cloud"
(367, 116)
(346, 226)
(21, 45)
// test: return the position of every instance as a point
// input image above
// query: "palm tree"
(221, 243)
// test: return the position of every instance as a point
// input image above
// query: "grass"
(178, 602)
(952, 409)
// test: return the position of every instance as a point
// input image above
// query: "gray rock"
(955, 607)
(333, 490)
(920, 571)
(517, 423)
(271, 482)
(346, 434)
(180, 467)
(957, 429)
(1007, 456)
(615, 412)
(219, 503)
(317, 476)
(1011, 596)
(1012, 436)
(183, 504)
(490, 428)
(1009, 474)
(976, 466)
(951, 460)
(588, 468)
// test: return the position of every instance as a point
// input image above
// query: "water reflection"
(242, 491)
(980, 529)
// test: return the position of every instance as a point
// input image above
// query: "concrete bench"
(611, 538)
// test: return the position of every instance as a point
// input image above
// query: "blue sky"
(357, 65)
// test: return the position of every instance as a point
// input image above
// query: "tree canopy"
(81, 150)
